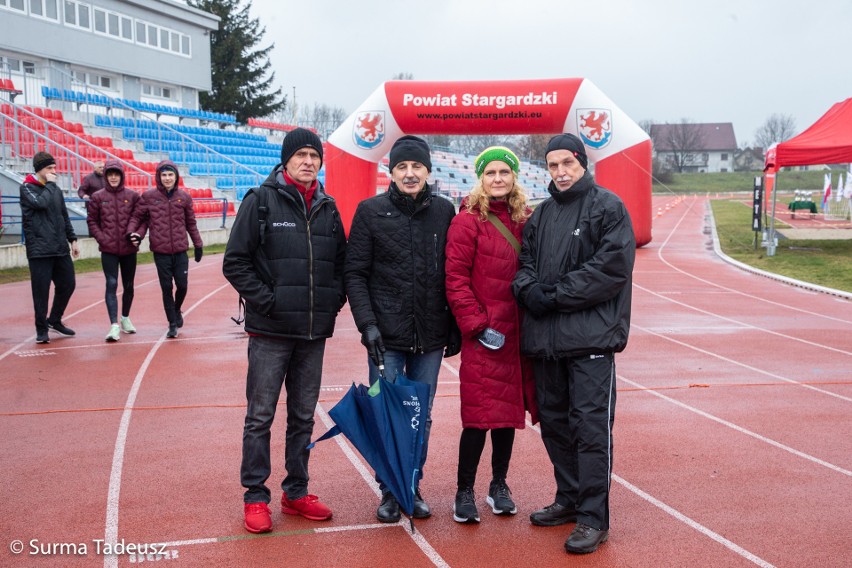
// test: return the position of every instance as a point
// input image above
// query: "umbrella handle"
(382, 370)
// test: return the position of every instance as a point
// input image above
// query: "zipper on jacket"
(435, 239)
(308, 221)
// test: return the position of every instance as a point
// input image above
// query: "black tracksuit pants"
(172, 270)
(43, 271)
(576, 403)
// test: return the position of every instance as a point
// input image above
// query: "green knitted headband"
(496, 153)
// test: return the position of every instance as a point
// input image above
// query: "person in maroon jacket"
(93, 182)
(109, 213)
(496, 383)
(167, 212)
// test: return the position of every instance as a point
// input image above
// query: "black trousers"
(576, 403)
(43, 271)
(172, 270)
(111, 264)
(470, 450)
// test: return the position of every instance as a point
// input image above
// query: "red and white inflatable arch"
(619, 148)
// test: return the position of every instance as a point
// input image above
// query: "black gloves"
(453, 342)
(372, 340)
(134, 239)
(198, 254)
(541, 299)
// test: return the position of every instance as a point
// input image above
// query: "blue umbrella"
(385, 424)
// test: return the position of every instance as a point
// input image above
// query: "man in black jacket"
(285, 257)
(395, 284)
(47, 231)
(575, 283)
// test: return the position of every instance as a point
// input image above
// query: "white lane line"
(111, 528)
(786, 307)
(417, 536)
(695, 525)
(739, 429)
(743, 324)
(744, 365)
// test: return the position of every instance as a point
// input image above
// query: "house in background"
(695, 147)
(749, 160)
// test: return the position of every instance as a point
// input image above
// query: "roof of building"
(715, 136)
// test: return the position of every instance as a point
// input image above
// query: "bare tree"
(777, 128)
(533, 146)
(682, 143)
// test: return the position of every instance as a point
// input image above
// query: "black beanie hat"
(410, 148)
(297, 139)
(572, 144)
(41, 160)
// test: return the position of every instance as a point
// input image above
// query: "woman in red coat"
(496, 387)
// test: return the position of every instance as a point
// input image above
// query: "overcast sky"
(733, 61)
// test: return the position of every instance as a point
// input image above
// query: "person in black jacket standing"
(47, 230)
(395, 283)
(575, 282)
(285, 257)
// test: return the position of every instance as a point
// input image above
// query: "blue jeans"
(297, 365)
(420, 368)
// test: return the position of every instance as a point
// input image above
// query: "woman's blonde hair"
(516, 198)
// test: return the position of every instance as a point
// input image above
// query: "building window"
(29, 68)
(44, 9)
(100, 21)
(95, 80)
(184, 44)
(141, 36)
(77, 15)
(151, 90)
(17, 5)
(724, 157)
(152, 35)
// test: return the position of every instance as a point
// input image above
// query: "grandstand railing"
(24, 141)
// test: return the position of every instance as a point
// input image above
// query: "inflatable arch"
(619, 148)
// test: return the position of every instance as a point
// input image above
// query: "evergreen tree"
(239, 71)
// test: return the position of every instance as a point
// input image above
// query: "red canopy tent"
(827, 141)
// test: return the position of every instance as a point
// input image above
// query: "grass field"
(826, 263)
(738, 181)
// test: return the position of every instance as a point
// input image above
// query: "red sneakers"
(308, 506)
(258, 518)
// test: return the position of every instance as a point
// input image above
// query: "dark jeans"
(297, 365)
(172, 268)
(43, 271)
(111, 264)
(420, 368)
(470, 450)
(576, 406)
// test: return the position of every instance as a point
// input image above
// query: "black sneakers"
(585, 539)
(464, 509)
(500, 498)
(173, 332)
(60, 327)
(553, 515)
(388, 511)
(421, 509)
(42, 337)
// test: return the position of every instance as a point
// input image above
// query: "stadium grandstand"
(120, 79)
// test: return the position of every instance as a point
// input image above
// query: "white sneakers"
(114, 333)
(126, 326)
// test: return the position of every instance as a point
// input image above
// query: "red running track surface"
(732, 434)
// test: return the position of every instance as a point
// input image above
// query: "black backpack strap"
(262, 210)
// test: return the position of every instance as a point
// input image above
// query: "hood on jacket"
(114, 165)
(32, 179)
(160, 167)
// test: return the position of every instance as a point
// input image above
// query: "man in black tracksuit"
(395, 283)
(48, 231)
(285, 257)
(575, 283)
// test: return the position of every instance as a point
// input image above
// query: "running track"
(733, 434)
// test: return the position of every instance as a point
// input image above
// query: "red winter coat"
(168, 217)
(109, 213)
(496, 386)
